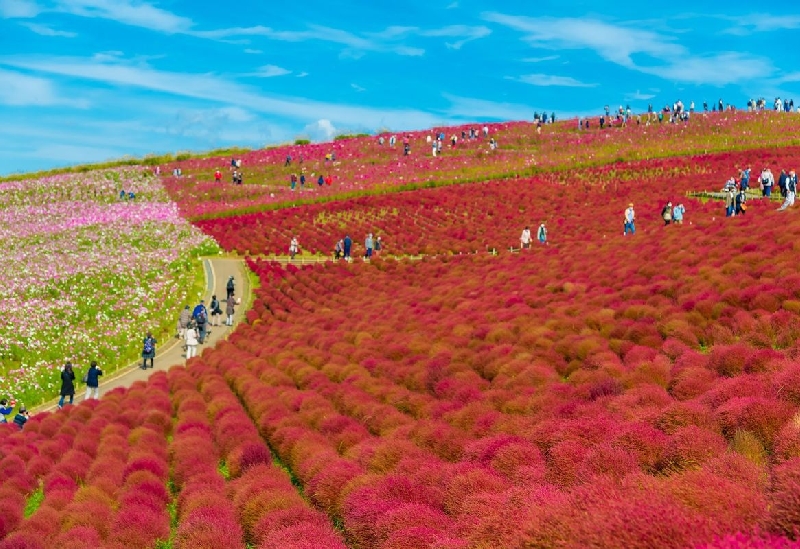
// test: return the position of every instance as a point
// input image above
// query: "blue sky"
(90, 80)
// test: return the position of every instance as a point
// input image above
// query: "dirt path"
(170, 353)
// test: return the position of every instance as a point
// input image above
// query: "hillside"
(601, 390)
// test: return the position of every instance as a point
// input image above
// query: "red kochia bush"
(785, 502)
(750, 541)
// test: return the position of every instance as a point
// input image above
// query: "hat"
(631, 204)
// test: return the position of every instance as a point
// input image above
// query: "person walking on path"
(677, 214)
(230, 287)
(745, 179)
(368, 244)
(741, 198)
(67, 384)
(93, 381)
(767, 180)
(525, 238)
(191, 341)
(791, 191)
(542, 233)
(630, 217)
(348, 246)
(378, 246)
(183, 321)
(148, 350)
(216, 311)
(200, 317)
(294, 247)
(730, 203)
(337, 250)
(230, 309)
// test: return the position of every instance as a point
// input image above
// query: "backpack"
(148, 345)
(201, 316)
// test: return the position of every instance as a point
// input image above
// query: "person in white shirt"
(294, 247)
(191, 341)
(767, 181)
(525, 238)
(630, 216)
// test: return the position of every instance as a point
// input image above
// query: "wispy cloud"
(358, 88)
(618, 43)
(551, 80)
(540, 59)
(270, 71)
(139, 14)
(217, 89)
(761, 22)
(471, 108)
(252, 51)
(44, 30)
(20, 90)
(463, 32)
(18, 9)
(638, 96)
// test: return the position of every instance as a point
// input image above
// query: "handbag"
(86, 377)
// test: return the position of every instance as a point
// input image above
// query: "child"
(6, 408)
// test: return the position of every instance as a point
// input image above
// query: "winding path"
(170, 353)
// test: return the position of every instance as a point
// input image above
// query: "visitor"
(677, 214)
(791, 191)
(337, 250)
(191, 340)
(288, 160)
(378, 246)
(216, 310)
(730, 185)
(148, 350)
(741, 198)
(368, 244)
(348, 246)
(230, 287)
(730, 203)
(744, 177)
(525, 238)
(230, 309)
(486, 131)
(302, 180)
(6, 408)
(22, 417)
(328, 180)
(392, 140)
(67, 384)
(782, 183)
(767, 181)
(321, 180)
(630, 217)
(293, 180)
(200, 317)
(217, 176)
(93, 381)
(183, 321)
(542, 233)
(294, 247)
(666, 213)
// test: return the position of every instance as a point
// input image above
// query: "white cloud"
(269, 71)
(44, 30)
(466, 33)
(321, 130)
(20, 90)
(252, 51)
(358, 88)
(301, 75)
(217, 89)
(18, 9)
(638, 96)
(139, 14)
(618, 44)
(540, 59)
(551, 80)
(760, 22)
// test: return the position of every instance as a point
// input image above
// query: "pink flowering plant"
(87, 273)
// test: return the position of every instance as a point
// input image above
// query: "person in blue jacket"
(348, 245)
(6, 408)
(200, 316)
(93, 381)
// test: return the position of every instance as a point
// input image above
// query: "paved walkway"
(170, 353)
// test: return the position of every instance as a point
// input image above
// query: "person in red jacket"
(217, 176)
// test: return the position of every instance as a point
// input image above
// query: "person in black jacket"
(21, 418)
(230, 287)
(67, 384)
(93, 381)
